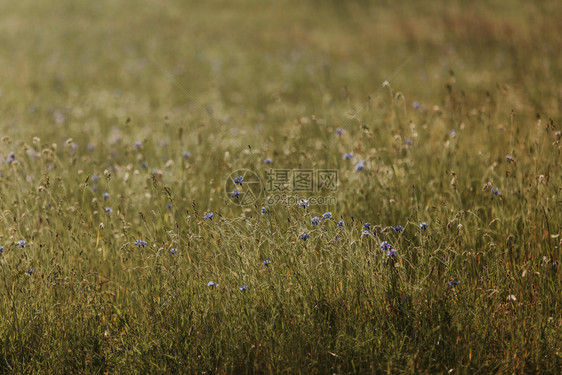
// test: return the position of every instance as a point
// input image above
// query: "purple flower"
(138, 144)
(304, 203)
(208, 216)
(140, 243)
(347, 156)
(399, 228)
(509, 158)
(30, 271)
(267, 161)
(315, 220)
(238, 180)
(266, 263)
(243, 288)
(168, 206)
(416, 105)
(367, 225)
(235, 194)
(21, 244)
(173, 251)
(392, 253)
(105, 195)
(211, 284)
(408, 142)
(385, 245)
(495, 191)
(304, 236)
(265, 210)
(340, 131)
(186, 155)
(340, 223)
(366, 233)
(454, 283)
(360, 166)
(1, 250)
(423, 226)
(326, 216)
(108, 210)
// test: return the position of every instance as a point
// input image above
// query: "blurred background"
(68, 60)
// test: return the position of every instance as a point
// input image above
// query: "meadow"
(125, 246)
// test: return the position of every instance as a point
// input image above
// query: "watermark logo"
(283, 186)
(243, 187)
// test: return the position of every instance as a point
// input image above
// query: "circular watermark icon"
(243, 187)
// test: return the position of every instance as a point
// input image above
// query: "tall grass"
(106, 97)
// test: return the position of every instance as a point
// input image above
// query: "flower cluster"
(140, 243)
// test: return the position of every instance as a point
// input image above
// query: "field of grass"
(122, 124)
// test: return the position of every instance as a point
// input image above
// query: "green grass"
(234, 83)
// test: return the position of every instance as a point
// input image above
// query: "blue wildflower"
(340, 223)
(408, 142)
(243, 288)
(265, 210)
(108, 210)
(315, 220)
(399, 228)
(21, 244)
(326, 216)
(366, 233)
(186, 155)
(391, 253)
(452, 133)
(238, 180)
(211, 284)
(509, 158)
(144, 164)
(304, 236)
(267, 161)
(105, 195)
(235, 194)
(208, 216)
(347, 156)
(495, 191)
(138, 144)
(416, 105)
(30, 271)
(140, 243)
(423, 226)
(95, 177)
(367, 225)
(266, 263)
(340, 131)
(385, 245)
(173, 251)
(168, 206)
(360, 166)
(304, 203)
(1, 250)
(454, 283)
(11, 158)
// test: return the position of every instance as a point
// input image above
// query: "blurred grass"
(81, 82)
